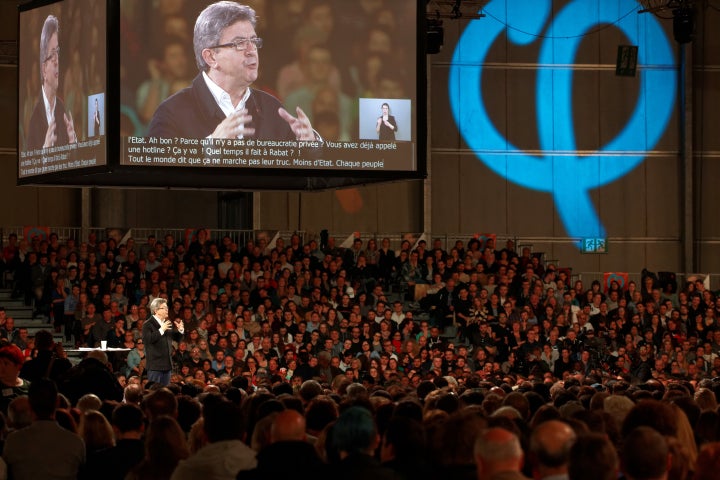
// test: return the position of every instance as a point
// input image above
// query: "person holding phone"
(386, 125)
(158, 334)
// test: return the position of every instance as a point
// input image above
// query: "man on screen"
(220, 102)
(50, 124)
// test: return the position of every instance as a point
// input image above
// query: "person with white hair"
(50, 123)
(220, 102)
(158, 334)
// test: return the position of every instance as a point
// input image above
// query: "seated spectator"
(91, 375)
(44, 449)
(354, 436)
(287, 441)
(12, 385)
(498, 455)
(593, 457)
(550, 445)
(165, 446)
(19, 413)
(708, 462)
(96, 432)
(115, 462)
(225, 453)
(404, 448)
(645, 455)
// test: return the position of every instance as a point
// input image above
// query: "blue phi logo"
(561, 170)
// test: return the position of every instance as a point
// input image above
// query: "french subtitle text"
(57, 158)
(255, 153)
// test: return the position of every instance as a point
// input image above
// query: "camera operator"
(594, 347)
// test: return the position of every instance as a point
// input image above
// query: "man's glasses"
(54, 54)
(242, 44)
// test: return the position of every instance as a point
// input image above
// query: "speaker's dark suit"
(158, 348)
(38, 126)
(193, 113)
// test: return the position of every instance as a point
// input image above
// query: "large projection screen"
(339, 61)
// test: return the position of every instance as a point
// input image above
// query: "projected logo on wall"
(561, 170)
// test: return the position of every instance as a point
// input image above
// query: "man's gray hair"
(212, 21)
(50, 27)
(157, 303)
(495, 451)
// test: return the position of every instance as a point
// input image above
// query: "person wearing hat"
(11, 385)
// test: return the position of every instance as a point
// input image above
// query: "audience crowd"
(365, 360)
(371, 361)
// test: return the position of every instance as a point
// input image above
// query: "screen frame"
(113, 174)
(61, 177)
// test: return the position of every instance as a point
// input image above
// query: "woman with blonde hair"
(97, 433)
(686, 436)
(165, 446)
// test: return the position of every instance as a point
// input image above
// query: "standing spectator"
(39, 273)
(57, 296)
(99, 331)
(69, 307)
(50, 360)
(10, 259)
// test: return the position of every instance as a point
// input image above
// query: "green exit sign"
(626, 65)
(594, 245)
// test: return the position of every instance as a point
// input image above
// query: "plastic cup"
(103, 344)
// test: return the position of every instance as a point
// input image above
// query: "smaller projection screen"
(62, 78)
(249, 95)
